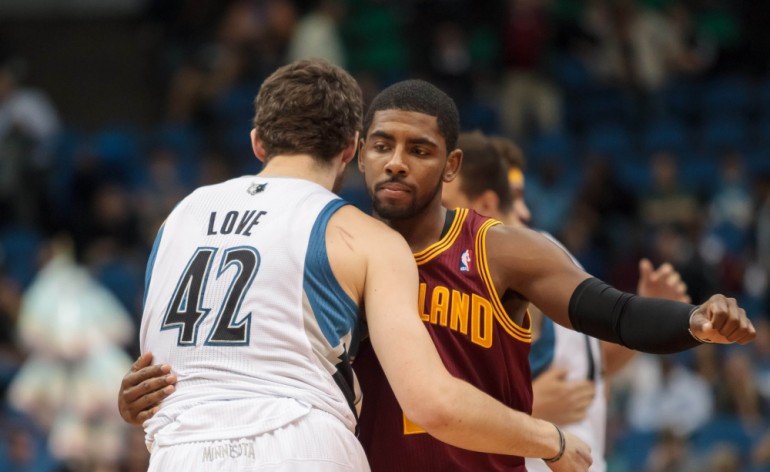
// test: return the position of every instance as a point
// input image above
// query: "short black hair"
(422, 97)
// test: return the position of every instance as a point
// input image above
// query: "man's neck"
(422, 230)
(301, 166)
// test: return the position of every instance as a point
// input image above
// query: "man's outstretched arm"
(143, 388)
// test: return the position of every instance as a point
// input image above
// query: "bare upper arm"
(375, 264)
(345, 233)
(526, 262)
(399, 337)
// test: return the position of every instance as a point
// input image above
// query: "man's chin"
(392, 212)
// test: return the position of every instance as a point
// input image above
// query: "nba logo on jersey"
(465, 261)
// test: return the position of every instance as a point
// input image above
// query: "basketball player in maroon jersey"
(476, 280)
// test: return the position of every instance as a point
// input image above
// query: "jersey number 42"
(185, 310)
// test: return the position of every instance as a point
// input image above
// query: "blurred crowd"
(645, 123)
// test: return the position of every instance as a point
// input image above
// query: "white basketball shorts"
(316, 442)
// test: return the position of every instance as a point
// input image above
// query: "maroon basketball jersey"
(477, 341)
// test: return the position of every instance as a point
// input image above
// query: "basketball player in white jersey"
(253, 290)
(568, 367)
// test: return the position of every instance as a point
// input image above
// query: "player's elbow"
(433, 413)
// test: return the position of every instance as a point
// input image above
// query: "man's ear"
(350, 152)
(453, 164)
(256, 145)
(360, 154)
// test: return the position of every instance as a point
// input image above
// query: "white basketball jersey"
(558, 346)
(241, 301)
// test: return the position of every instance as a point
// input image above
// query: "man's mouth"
(393, 188)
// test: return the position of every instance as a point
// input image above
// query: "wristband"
(562, 446)
(704, 341)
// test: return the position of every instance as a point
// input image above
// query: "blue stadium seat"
(726, 96)
(723, 429)
(551, 145)
(119, 149)
(633, 174)
(18, 253)
(481, 116)
(634, 447)
(680, 98)
(758, 160)
(184, 141)
(698, 169)
(722, 133)
(600, 105)
(569, 72)
(611, 140)
(665, 135)
(124, 279)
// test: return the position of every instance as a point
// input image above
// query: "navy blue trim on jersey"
(542, 350)
(151, 263)
(334, 310)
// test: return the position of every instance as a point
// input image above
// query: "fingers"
(150, 401)
(146, 380)
(141, 362)
(139, 402)
(673, 279)
(645, 268)
(663, 272)
(576, 403)
(663, 282)
(557, 373)
(721, 320)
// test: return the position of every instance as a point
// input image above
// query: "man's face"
(404, 160)
(520, 214)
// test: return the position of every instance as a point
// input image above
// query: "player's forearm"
(467, 418)
(650, 325)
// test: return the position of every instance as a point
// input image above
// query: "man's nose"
(396, 165)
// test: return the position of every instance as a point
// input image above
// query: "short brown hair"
(510, 152)
(310, 107)
(483, 169)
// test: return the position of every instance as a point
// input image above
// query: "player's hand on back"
(559, 400)
(720, 320)
(576, 458)
(143, 388)
(663, 282)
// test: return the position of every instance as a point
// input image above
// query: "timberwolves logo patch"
(465, 261)
(256, 188)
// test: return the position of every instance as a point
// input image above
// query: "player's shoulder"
(504, 235)
(205, 193)
(363, 229)
(519, 243)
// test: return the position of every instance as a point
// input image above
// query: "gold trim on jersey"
(449, 238)
(522, 334)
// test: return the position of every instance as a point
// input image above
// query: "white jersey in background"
(241, 301)
(580, 354)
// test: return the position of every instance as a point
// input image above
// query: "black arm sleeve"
(651, 325)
